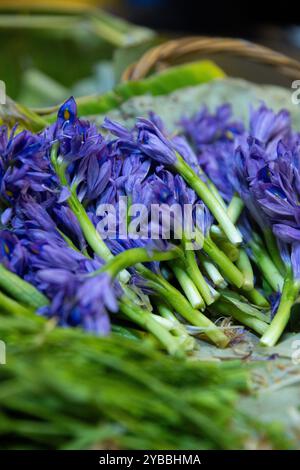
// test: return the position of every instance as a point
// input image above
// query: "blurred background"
(51, 49)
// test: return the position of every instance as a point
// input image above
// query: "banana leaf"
(159, 84)
(241, 94)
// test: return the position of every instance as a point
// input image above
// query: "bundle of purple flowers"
(54, 261)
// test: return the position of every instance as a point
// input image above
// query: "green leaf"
(161, 83)
(189, 99)
(243, 305)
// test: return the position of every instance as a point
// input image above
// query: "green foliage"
(63, 388)
(161, 83)
(60, 49)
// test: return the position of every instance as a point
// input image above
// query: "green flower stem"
(21, 290)
(234, 211)
(134, 256)
(168, 314)
(144, 319)
(198, 278)
(188, 287)
(165, 322)
(209, 199)
(181, 305)
(256, 298)
(214, 190)
(90, 233)
(130, 333)
(222, 307)
(273, 250)
(231, 272)
(235, 208)
(178, 329)
(289, 294)
(244, 265)
(266, 266)
(232, 251)
(212, 187)
(216, 294)
(11, 306)
(212, 271)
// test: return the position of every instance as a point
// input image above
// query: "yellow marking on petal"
(229, 135)
(9, 193)
(66, 114)
(6, 249)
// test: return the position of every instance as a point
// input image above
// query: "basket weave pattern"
(181, 50)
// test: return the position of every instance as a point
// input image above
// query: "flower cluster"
(42, 240)
(52, 184)
(265, 172)
(214, 139)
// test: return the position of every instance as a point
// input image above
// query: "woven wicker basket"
(190, 48)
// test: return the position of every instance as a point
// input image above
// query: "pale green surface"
(187, 101)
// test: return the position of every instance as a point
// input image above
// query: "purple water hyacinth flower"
(50, 255)
(109, 195)
(148, 137)
(85, 152)
(153, 142)
(68, 127)
(274, 299)
(215, 160)
(267, 178)
(154, 190)
(67, 113)
(269, 128)
(134, 171)
(78, 300)
(206, 128)
(117, 129)
(94, 178)
(97, 296)
(12, 254)
(162, 187)
(182, 193)
(37, 223)
(203, 218)
(277, 195)
(157, 121)
(290, 254)
(182, 146)
(175, 201)
(35, 216)
(295, 260)
(61, 273)
(69, 225)
(248, 164)
(185, 196)
(24, 167)
(214, 139)
(6, 216)
(64, 195)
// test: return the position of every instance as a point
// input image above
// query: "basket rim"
(181, 50)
